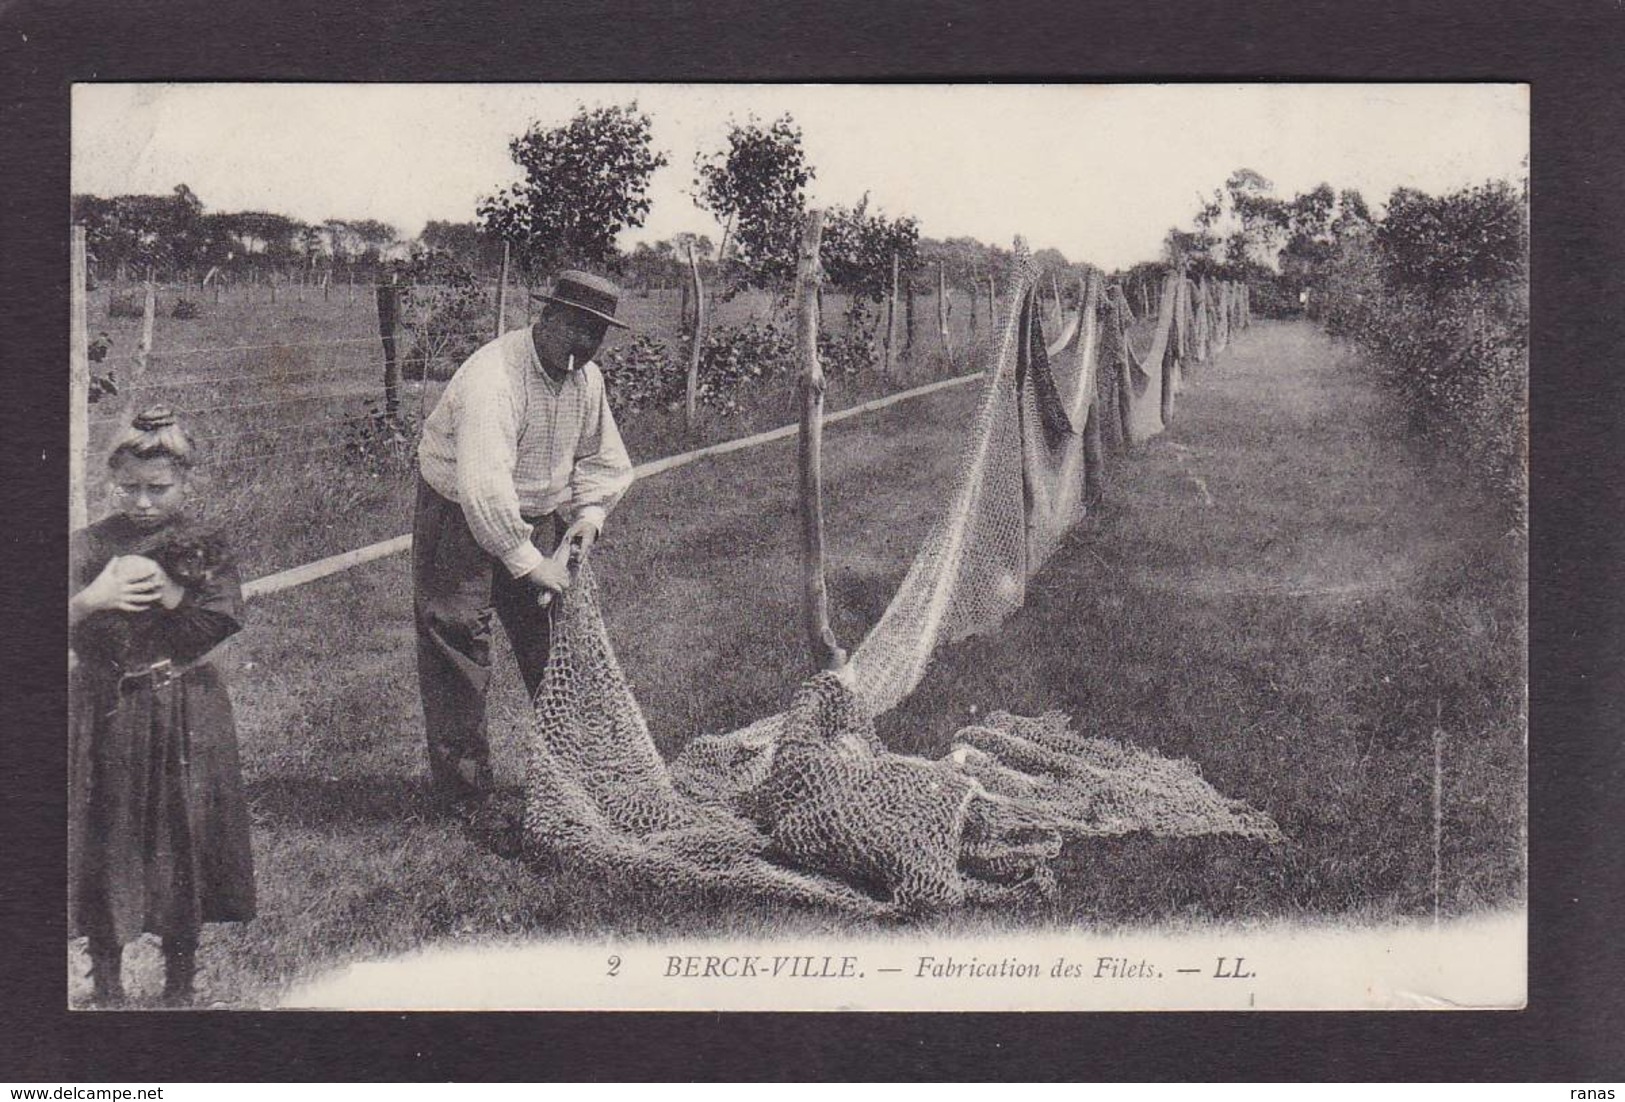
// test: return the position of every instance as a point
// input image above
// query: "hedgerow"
(1438, 292)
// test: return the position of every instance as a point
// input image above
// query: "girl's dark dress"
(157, 825)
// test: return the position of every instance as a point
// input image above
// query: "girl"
(158, 828)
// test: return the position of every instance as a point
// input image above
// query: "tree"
(857, 249)
(584, 183)
(756, 189)
(1477, 235)
(474, 248)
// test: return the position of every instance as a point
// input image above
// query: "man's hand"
(581, 542)
(547, 579)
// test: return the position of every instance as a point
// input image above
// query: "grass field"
(1277, 590)
(274, 391)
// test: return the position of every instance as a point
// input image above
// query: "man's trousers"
(456, 586)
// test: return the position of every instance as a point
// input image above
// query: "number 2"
(614, 966)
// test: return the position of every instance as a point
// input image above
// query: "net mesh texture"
(809, 805)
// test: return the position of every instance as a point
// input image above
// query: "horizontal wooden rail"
(334, 564)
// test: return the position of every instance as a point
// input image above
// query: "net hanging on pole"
(808, 804)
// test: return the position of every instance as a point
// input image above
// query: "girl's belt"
(163, 672)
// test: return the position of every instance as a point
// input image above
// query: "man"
(521, 445)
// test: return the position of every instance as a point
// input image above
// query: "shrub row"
(1438, 293)
(646, 373)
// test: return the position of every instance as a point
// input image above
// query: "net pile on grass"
(808, 804)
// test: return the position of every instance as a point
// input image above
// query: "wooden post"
(1094, 452)
(388, 310)
(352, 286)
(502, 291)
(690, 409)
(143, 350)
(327, 290)
(826, 653)
(891, 320)
(942, 313)
(975, 280)
(908, 315)
(78, 385)
(992, 302)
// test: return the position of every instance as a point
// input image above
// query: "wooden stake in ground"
(143, 350)
(975, 280)
(502, 293)
(992, 301)
(699, 338)
(1094, 451)
(388, 311)
(891, 320)
(78, 385)
(826, 653)
(942, 314)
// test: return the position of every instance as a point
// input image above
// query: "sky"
(1100, 172)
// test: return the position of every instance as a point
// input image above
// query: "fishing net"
(808, 804)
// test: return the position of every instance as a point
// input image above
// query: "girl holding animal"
(158, 838)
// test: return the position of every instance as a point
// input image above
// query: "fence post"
(388, 308)
(143, 349)
(78, 385)
(992, 301)
(502, 292)
(689, 410)
(908, 315)
(975, 281)
(942, 313)
(891, 320)
(826, 653)
(1094, 451)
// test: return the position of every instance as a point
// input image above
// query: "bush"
(642, 373)
(445, 314)
(126, 305)
(736, 358)
(185, 310)
(1438, 295)
(382, 443)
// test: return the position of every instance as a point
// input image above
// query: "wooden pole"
(502, 291)
(1094, 452)
(891, 320)
(690, 409)
(942, 312)
(682, 304)
(975, 279)
(908, 315)
(78, 385)
(992, 302)
(826, 653)
(143, 350)
(388, 307)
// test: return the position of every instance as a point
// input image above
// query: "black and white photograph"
(880, 547)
